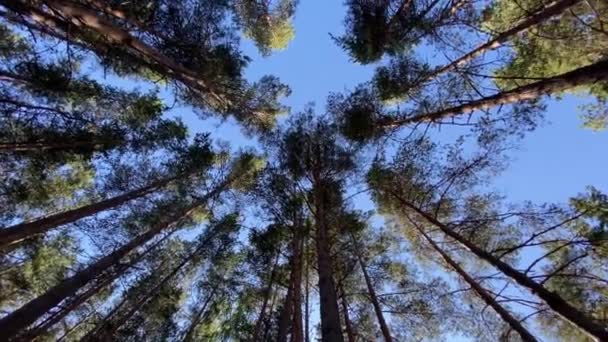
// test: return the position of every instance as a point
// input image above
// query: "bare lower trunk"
(513, 322)
(90, 145)
(372, 295)
(330, 316)
(587, 75)
(297, 335)
(286, 313)
(19, 232)
(350, 333)
(568, 312)
(267, 292)
(306, 295)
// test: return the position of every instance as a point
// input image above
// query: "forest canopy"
(127, 213)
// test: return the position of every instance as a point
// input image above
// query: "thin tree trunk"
(21, 318)
(372, 294)
(596, 72)
(273, 302)
(46, 146)
(110, 327)
(19, 232)
(297, 335)
(554, 8)
(288, 306)
(513, 322)
(306, 295)
(350, 333)
(197, 318)
(331, 330)
(267, 292)
(568, 312)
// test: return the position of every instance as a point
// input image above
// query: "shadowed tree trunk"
(267, 292)
(568, 312)
(19, 232)
(331, 330)
(513, 322)
(350, 333)
(596, 72)
(297, 335)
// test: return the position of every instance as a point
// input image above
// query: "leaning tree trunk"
(513, 322)
(198, 317)
(21, 318)
(66, 15)
(89, 145)
(547, 11)
(110, 327)
(267, 292)
(350, 333)
(14, 234)
(330, 315)
(372, 294)
(561, 307)
(596, 72)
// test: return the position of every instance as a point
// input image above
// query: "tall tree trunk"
(21, 318)
(513, 322)
(273, 302)
(331, 330)
(372, 293)
(267, 292)
(79, 17)
(21, 231)
(297, 335)
(350, 333)
(547, 11)
(306, 290)
(596, 72)
(561, 307)
(198, 317)
(288, 306)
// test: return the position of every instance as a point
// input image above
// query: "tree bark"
(297, 335)
(306, 290)
(513, 322)
(372, 294)
(267, 292)
(331, 330)
(19, 232)
(568, 312)
(350, 333)
(288, 306)
(46, 146)
(548, 11)
(596, 72)
(21, 318)
(80, 17)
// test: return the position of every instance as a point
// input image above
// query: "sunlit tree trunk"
(21, 318)
(561, 307)
(547, 11)
(21, 231)
(513, 322)
(596, 72)
(372, 294)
